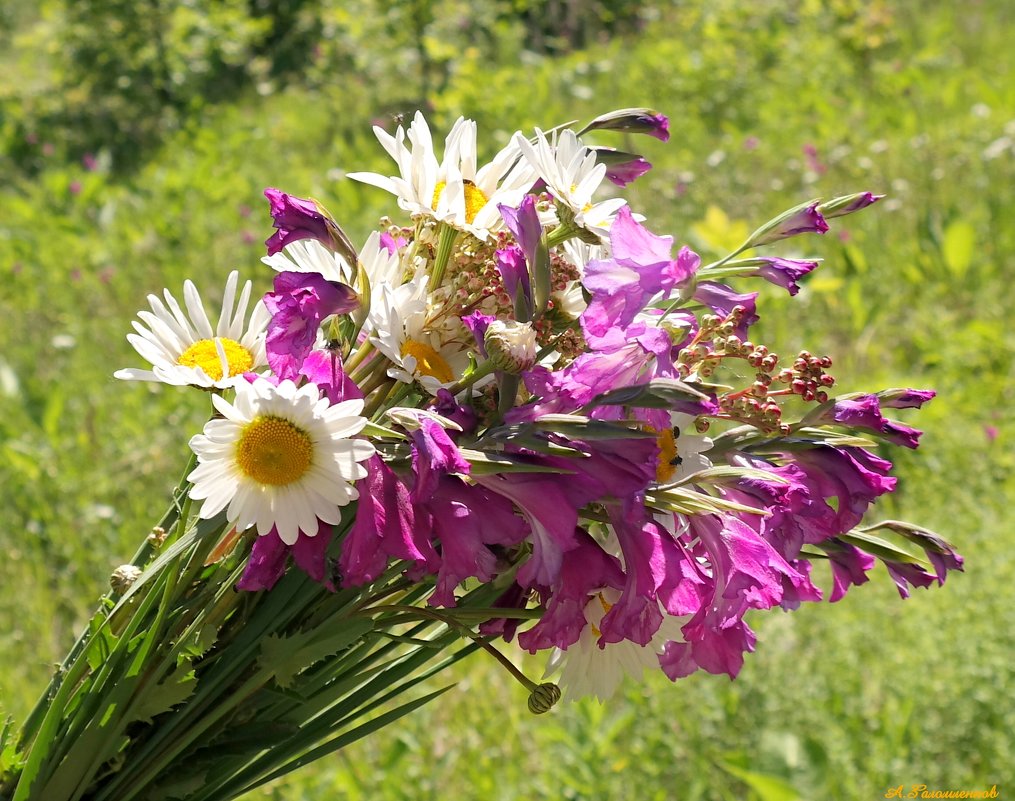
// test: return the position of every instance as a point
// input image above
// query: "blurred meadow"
(136, 137)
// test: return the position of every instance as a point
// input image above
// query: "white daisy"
(586, 669)
(572, 176)
(280, 457)
(452, 190)
(681, 450)
(419, 353)
(310, 256)
(183, 349)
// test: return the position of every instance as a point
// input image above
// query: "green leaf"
(925, 538)
(487, 463)
(349, 736)
(768, 788)
(11, 759)
(174, 689)
(286, 657)
(202, 641)
(958, 247)
(659, 393)
(692, 502)
(52, 415)
(179, 789)
(882, 549)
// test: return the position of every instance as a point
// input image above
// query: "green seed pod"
(543, 698)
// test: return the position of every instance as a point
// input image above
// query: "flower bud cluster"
(473, 277)
(758, 403)
(807, 378)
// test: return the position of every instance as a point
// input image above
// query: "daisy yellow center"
(204, 354)
(428, 361)
(474, 199)
(668, 459)
(274, 451)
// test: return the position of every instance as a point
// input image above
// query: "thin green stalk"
(485, 369)
(357, 357)
(445, 244)
(384, 401)
(181, 729)
(465, 631)
(41, 707)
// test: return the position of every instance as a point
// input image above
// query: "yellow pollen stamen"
(274, 451)
(474, 199)
(203, 354)
(666, 462)
(587, 206)
(428, 361)
(607, 606)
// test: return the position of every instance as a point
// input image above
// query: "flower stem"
(445, 242)
(356, 358)
(465, 631)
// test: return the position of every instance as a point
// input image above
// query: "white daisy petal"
(183, 349)
(278, 459)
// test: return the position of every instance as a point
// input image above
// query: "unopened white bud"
(511, 345)
(124, 577)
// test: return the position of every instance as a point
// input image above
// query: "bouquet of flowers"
(514, 415)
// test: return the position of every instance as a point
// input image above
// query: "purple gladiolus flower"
(434, 455)
(848, 204)
(477, 323)
(853, 476)
(640, 268)
(550, 503)
(587, 570)
(269, 556)
(722, 300)
(657, 125)
(865, 412)
(746, 573)
(296, 218)
(905, 398)
(523, 222)
(751, 568)
(635, 120)
(784, 272)
(636, 615)
(391, 244)
(298, 305)
(905, 574)
(805, 220)
(628, 171)
(446, 406)
(799, 588)
(325, 370)
(514, 273)
(713, 649)
(850, 566)
(466, 520)
(589, 375)
(552, 519)
(387, 525)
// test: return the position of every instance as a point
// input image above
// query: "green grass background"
(840, 701)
